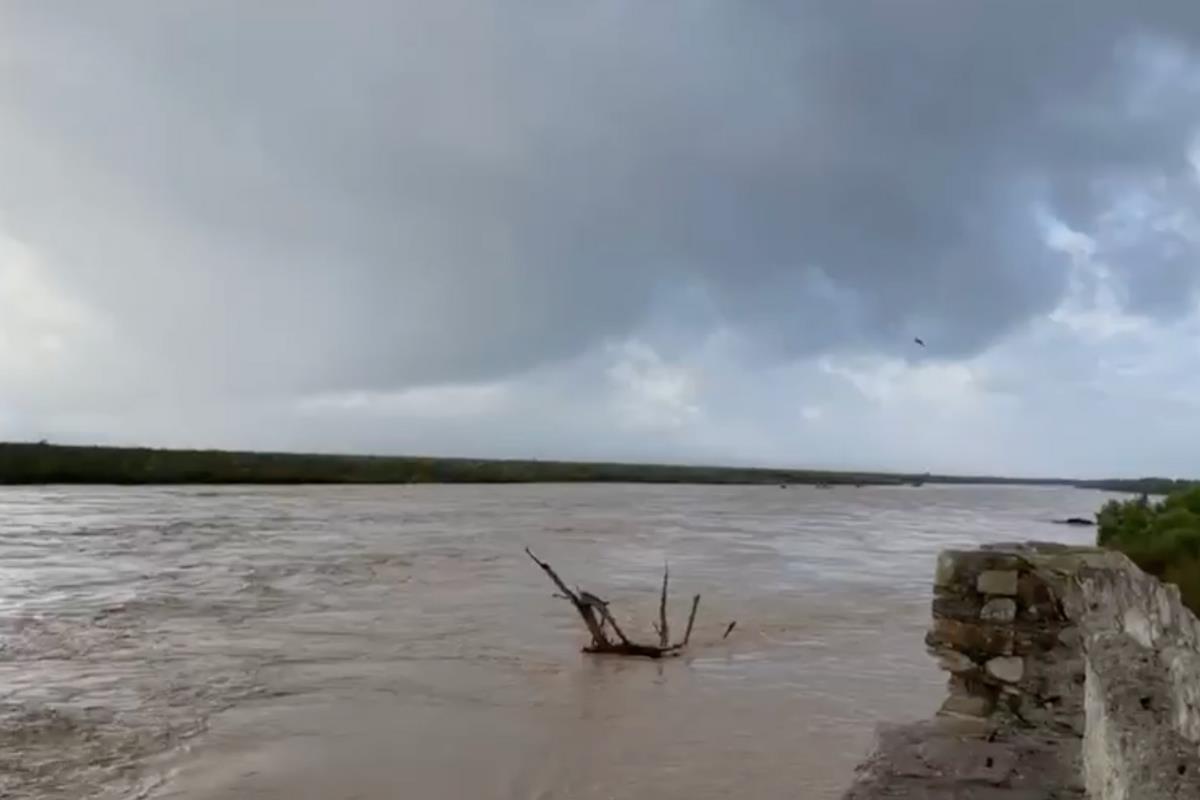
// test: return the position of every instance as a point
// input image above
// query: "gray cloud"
(269, 199)
(391, 193)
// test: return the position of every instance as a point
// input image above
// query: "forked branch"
(595, 615)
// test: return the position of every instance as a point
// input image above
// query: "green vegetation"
(1162, 537)
(46, 463)
(43, 463)
(1139, 485)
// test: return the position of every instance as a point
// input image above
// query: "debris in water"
(595, 615)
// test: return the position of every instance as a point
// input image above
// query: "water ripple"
(248, 642)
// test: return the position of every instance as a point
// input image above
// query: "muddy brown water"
(363, 643)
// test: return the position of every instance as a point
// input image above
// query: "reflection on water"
(376, 642)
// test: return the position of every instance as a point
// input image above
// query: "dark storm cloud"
(328, 195)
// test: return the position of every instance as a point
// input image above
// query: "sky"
(698, 232)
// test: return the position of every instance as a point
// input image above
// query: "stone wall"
(1000, 629)
(1072, 674)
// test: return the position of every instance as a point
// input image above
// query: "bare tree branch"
(664, 631)
(687, 636)
(585, 611)
(596, 615)
(608, 617)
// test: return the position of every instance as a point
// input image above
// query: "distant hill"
(41, 463)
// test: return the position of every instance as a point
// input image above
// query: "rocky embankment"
(1072, 674)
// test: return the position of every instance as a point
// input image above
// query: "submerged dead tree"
(597, 617)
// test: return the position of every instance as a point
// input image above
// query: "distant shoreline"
(31, 464)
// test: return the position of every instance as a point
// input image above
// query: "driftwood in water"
(596, 616)
(664, 630)
(687, 635)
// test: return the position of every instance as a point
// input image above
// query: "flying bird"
(918, 340)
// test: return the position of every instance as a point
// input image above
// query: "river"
(369, 643)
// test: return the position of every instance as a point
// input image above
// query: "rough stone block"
(958, 568)
(1009, 669)
(968, 705)
(957, 606)
(1001, 609)
(976, 639)
(1038, 600)
(1069, 637)
(1034, 639)
(993, 581)
(954, 662)
(946, 570)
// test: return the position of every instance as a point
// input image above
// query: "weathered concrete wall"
(1072, 673)
(1132, 748)
(1142, 653)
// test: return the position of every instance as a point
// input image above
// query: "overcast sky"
(702, 231)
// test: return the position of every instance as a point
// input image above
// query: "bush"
(1161, 537)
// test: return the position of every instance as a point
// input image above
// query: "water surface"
(383, 642)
